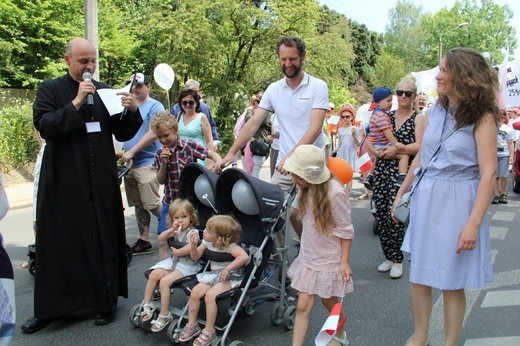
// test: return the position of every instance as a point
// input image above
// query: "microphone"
(90, 98)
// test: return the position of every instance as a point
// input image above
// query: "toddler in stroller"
(181, 216)
(220, 235)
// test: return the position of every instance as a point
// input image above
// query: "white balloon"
(244, 198)
(363, 114)
(164, 76)
(203, 191)
(117, 145)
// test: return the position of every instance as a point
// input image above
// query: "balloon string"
(205, 196)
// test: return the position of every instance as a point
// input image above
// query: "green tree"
(389, 70)
(488, 30)
(405, 36)
(33, 35)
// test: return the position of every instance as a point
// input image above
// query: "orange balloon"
(341, 169)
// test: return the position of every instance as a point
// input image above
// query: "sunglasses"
(258, 101)
(401, 92)
(345, 116)
(185, 103)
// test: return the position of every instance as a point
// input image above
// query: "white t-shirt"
(510, 124)
(293, 109)
(504, 135)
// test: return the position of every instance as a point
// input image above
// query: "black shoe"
(104, 318)
(142, 247)
(400, 179)
(495, 200)
(369, 181)
(34, 324)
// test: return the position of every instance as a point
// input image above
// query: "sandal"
(363, 196)
(189, 332)
(205, 338)
(157, 325)
(148, 310)
(343, 341)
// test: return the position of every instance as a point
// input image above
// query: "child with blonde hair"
(169, 162)
(182, 216)
(221, 235)
(327, 224)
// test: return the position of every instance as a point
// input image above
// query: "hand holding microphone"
(87, 77)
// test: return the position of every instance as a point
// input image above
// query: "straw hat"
(308, 162)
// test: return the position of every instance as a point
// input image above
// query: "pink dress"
(316, 270)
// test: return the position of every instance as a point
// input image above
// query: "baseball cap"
(140, 78)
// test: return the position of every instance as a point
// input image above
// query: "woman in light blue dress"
(448, 235)
(193, 124)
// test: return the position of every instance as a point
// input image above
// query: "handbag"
(402, 209)
(259, 148)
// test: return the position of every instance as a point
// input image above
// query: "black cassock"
(80, 230)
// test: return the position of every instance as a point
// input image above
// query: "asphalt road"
(378, 311)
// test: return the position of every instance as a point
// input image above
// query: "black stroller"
(258, 207)
(122, 170)
(197, 184)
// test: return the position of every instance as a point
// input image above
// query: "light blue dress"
(440, 208)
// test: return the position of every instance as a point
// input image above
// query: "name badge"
(93, 127)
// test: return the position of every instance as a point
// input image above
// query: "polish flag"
(364, 163)
(329, 329)
(332, 124)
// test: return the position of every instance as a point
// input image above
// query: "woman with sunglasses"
(349, 139)
(193, 124)
(407, 128)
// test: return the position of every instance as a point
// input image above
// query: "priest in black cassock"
(81, 246)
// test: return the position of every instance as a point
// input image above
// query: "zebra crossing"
(493, 314)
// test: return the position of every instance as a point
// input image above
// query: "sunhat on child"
(308, 162)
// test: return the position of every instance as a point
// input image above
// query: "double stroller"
(258, 206)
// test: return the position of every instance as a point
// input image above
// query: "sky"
(374, 13)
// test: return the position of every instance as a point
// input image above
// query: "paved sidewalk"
(19, 195)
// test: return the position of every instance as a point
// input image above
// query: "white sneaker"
(384, 267)
(396, 272)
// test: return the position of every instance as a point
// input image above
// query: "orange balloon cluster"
(341, 169)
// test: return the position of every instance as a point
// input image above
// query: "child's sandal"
(343, 341)
(205, 338)
(189, 332)
(148, 310)
(157, 325)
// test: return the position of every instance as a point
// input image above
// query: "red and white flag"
(329, 329)
(364, 163)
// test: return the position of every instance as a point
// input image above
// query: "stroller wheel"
(278, 313)
(32, 268)
(237, 343)
(288, 317)
(173, 335)
(135, 315)
(375, 230)
(147, 325)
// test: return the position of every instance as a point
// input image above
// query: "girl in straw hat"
(322, 266)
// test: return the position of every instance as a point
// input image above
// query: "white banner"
(511, 89)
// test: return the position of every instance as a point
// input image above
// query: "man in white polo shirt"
(300, 102)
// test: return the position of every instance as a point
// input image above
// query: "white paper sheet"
(112, 101)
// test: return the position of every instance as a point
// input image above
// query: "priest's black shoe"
(34, 324)
(104, 318)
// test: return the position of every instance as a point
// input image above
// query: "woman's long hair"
(321, 205)
(475, 84)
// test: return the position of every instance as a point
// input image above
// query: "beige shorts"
(142, 188)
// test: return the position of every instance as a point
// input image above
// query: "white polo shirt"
(293, 109)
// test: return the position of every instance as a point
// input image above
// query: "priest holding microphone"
(80, 241)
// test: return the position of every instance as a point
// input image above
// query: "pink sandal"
(205, 338)
(189, 332)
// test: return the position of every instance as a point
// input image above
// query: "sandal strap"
(205, 338)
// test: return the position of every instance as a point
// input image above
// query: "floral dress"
(391, 234)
